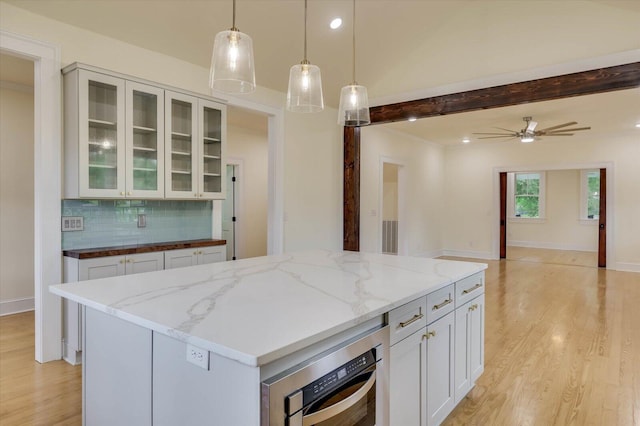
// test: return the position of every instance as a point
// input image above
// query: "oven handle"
(345, 404)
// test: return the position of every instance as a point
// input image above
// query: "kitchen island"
(242, 321)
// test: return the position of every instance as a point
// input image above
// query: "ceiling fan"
(529, 133)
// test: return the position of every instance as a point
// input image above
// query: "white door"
(144, 262)
(212, 254)
(476, 345)
(408, 381)
(180, 258)
(440, 387)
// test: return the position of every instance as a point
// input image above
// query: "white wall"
(251, 146)
(562, 227)
(16, 201)
(423, 207)
(390, 191)
(470, 169)
(312, 169)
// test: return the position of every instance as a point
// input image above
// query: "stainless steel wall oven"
(346, 385)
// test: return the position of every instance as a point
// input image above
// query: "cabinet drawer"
(468, 288)
(440, 303)
(407, 319)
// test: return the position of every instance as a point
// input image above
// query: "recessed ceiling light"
(412, 119)
(466, 140)
(638, 125)
(336, 23)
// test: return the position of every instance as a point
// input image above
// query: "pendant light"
(354, 102)
(305, 84)
(232, 69)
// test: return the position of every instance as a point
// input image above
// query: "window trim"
(584, 190)
(511, 185)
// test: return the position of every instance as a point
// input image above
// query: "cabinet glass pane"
(181, 146)
(103, 141)
(145, 141)
(212, 158)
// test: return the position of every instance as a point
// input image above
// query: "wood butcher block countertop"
(140, 248)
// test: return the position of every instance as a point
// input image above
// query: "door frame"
(238, 204)
(495, 228)
(47, 103)
(403, 246)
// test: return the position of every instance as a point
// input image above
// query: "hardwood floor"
(33, 393)
(558, 257)
(562, 348)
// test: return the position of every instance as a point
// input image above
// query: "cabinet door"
(144, 262)
(101, 135)
(476, 336)
(181, 152)
(180, 258)
(462, 374)
(440, 388)
(212, 254)
(101, 267)
(212, 135)
(145, 141)
(408, 381)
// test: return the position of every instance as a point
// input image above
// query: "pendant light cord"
(233, 27)
(305, 32)
(354, 42)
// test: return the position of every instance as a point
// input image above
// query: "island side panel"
(228, 393)
(117, 371)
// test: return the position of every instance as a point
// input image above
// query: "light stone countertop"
(260, 309)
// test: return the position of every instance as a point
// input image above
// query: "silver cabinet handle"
(445, 303)
(415, 318)
(469, 290)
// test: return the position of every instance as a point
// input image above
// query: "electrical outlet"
(198, 356)
(72, 223)
(142, 220)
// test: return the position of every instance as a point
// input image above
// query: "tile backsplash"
(115, 222)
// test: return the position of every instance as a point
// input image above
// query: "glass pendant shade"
(354, 106)
(305, 89)
(232, 67)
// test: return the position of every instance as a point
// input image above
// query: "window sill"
(527, 220)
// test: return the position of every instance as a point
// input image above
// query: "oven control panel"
(341, 374)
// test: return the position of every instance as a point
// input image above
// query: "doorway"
(554, 215)
(389, 243)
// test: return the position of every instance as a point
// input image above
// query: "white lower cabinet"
(408, 381)
(440, 356)
(194, 256)
(433, 368)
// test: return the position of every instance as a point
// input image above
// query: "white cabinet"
(194, 256)
(469, 346)
(437, 352)
(440, 369)
(114, 137)
(91, 269)
(195, 131)
(408, 381)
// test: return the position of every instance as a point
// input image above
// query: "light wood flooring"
(562, 348)
(558, 257)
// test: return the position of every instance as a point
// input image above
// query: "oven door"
(353, 403)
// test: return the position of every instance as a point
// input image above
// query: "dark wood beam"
(601, 80)
(351, 190)
(564, 86)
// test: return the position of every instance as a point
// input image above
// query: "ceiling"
(403, 46)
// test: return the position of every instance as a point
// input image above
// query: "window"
(526, 192)
(590, 194)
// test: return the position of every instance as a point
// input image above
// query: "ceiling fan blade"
(506, 130)
(502, 134)
(568, 130)
(531, 126)
(571, 123)
(494, 137)
(558, 134)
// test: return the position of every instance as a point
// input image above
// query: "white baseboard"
(70, 355)
(469, 253)
(15, 306)
(628, 267)
(552, 246)
(430, 254)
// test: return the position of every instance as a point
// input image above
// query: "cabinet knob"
(122, 193)
(195, 252)
(201, 195)
(121, 261)
(129, 193)
(195, 195)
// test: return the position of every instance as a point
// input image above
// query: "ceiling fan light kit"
(530, 134)
(232, 66)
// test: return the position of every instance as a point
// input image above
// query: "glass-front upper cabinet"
(212, 119)
(114, 137)
(145, 141)
(195, 135)
(100, 134)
